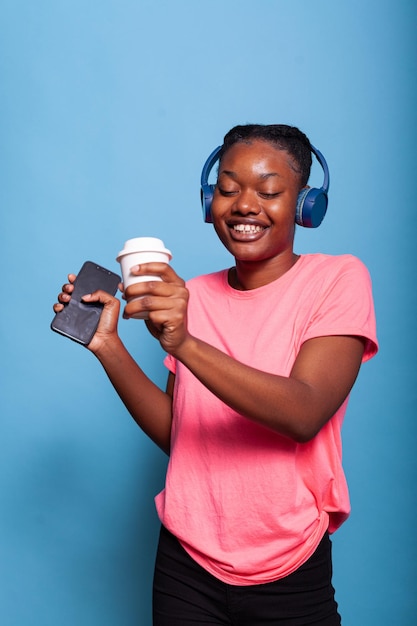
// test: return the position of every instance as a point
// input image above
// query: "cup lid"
(144, 244)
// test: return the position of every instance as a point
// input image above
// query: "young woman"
(261, 359)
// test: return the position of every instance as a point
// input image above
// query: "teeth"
(247, 228)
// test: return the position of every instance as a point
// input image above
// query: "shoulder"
(344, 276)
(326, 267)
(340, 289)
(331, 262)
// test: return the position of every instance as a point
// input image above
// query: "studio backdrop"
(108, 112)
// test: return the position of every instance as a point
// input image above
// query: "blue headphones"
(311, 203)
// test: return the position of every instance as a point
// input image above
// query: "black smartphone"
(79, 320)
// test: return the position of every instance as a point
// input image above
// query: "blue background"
(108, 111)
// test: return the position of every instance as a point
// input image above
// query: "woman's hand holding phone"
(84, 313)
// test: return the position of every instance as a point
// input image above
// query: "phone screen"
(79, 320)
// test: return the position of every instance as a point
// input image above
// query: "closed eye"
(269, 196)
(227, 193)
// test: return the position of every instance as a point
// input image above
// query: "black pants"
(185, 594)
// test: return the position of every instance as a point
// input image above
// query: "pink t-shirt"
(249, 505)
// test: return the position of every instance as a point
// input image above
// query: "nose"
(246, 202)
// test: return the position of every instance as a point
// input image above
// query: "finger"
(140, 305)
(156, 287)
(98, 296)
(64, 298)
(160, 308)
(164, 270)
(149, 287)
(68, 288)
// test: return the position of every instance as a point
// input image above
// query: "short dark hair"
(288, 138)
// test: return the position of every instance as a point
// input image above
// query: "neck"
(247, 275)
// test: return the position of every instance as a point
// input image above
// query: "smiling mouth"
(248, 228)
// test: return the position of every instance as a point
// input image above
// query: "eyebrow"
(261, 176)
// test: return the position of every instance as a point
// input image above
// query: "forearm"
(149, 406)
(262, 397)
(296, 406)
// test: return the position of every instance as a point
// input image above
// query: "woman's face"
(254, 202)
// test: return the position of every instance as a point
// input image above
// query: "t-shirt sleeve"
(170, 363)
(344, 306)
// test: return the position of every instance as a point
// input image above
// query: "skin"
(253, 214)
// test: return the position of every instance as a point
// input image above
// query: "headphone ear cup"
(311, 207)
(300, 205)
(207, 193)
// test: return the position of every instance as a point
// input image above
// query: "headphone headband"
(311, 203)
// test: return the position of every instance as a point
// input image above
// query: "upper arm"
(170, 384)
(328, 367)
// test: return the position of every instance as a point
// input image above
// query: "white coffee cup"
(136, 252)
